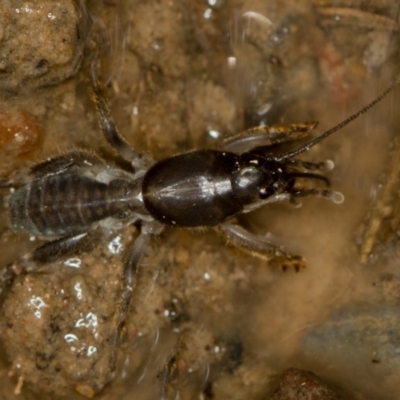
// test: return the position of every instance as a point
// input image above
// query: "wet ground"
(208, 321)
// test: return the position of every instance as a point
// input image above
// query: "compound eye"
(266, 192)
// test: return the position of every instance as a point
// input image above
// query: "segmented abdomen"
(59, 205)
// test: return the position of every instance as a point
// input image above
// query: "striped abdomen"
(64, 204)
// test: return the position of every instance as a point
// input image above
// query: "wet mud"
(208, 321)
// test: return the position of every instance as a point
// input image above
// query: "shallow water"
(180, 76)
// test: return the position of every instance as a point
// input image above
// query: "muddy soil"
(208, 320)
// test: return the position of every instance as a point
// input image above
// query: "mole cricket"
(71, 200)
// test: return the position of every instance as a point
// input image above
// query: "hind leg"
(131, 268)
(48, 253)
(52, 166)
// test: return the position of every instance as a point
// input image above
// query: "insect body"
(71, 199)
(206, 187)
(71, 202)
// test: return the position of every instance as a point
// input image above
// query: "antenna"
(342, 124)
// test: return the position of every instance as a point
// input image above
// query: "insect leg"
(260, 246)
(130, 273)
(336, 197)
(65, 162)
(47, 253)
(169, 375)
(266, 136)
(110, 130)
(52, 166)
(65, 247)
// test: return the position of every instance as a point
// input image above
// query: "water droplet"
(337, 197)
(207, 13)
(115, 246)
(158, 45)
(213, 133)
(329, 165)
(280, 35)
(91, 350)
(73, 262)
(78, 290)
(70, 337)
(231, 61)
(18, 137)
(37, 303)
(90, 320)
